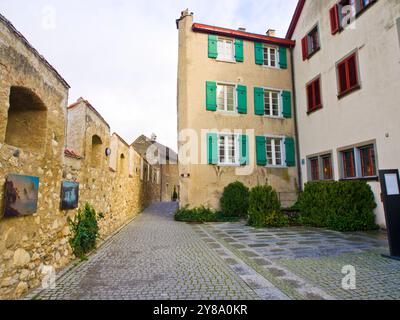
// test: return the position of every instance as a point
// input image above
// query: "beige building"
(347, 75)
(235, 114)
(164, 162)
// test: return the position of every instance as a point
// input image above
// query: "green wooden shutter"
(239, 50)
(261, 151)
(242, 99)
(212, 148)
(259, 101)
(211, 96)
(287, 104)
(244, 149)
(258, 52)
(282, 58)
(290, 152)
(212, 46)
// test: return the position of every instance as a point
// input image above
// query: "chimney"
(185, 13)
(242, 29)
(271, 32)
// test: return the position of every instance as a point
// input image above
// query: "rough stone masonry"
(35, 140)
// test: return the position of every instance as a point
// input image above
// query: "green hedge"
(235, 200)
(201, 214)
(338, 205)
(265, 208)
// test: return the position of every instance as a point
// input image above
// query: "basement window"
(26, 121)
(359, 162)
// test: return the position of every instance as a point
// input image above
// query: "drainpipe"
(296, 127)
(161, 182)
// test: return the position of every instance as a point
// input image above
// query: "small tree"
(235, 200)
(84, 230)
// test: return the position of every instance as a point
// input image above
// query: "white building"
(347, 80)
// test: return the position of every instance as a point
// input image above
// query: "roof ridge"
(33, 50)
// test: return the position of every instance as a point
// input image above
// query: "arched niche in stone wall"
(96, 152)
(26, 121)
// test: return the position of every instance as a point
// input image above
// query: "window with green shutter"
(212, 46)
(212, 148)
(211, 96)
(244, 149)
(241, 99)
(261, 151)
(287, 104)
(258, 52)
(239, 50)
(259, 101)
(282, 58)
(290, 152)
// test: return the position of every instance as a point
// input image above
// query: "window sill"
(348, 91)
(228, 113)
(314, 110)
(276, 167)
(376, 178)
(313, 53)
(270, 67)
(227, 61)
(275, 117)
(228, 165)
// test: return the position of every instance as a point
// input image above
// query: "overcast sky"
(121, 55)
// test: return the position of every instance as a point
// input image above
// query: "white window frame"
(280, 103)
(283, 152)
(269, 47)
(224, 59)
(226, 150)
(235, 99)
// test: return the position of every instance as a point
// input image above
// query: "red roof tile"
(242, 34)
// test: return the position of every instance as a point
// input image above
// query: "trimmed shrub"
(201, 214)
(265, 208)
(338, 205)
(84, 231)
(235, 200)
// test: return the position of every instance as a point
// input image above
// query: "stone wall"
(41, 137)
(34, 146)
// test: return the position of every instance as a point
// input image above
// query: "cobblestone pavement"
(154, 257)
(306, 263)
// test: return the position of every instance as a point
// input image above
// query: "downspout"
(296, 127)
(161, 183)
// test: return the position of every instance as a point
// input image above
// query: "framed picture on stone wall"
(69, 195)
(21, 195)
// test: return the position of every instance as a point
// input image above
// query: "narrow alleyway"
(153, 257)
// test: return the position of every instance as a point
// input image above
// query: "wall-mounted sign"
(390, 181)
(21, 195)
(69, 195)
(392, 186)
